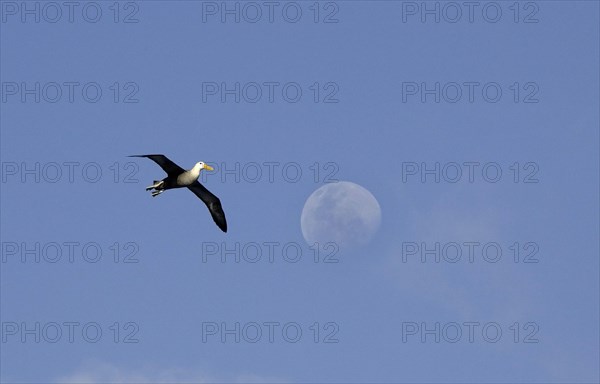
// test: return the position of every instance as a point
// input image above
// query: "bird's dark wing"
(167, 165)
(212, 202)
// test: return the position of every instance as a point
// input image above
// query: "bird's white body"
(184, 179)
(189, 177)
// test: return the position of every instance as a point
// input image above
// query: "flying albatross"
(178, 177)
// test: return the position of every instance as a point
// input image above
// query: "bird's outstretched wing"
(167, 165)
(212, 202)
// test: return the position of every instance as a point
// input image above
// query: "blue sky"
(167, 73)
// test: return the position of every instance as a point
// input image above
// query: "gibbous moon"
(342, 212)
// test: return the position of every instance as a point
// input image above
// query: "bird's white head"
(202, 165)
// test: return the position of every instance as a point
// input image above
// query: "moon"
(342, 212)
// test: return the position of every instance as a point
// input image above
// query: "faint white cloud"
(92, 372)
(473, 291)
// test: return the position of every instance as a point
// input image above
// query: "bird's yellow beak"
(208, 167)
